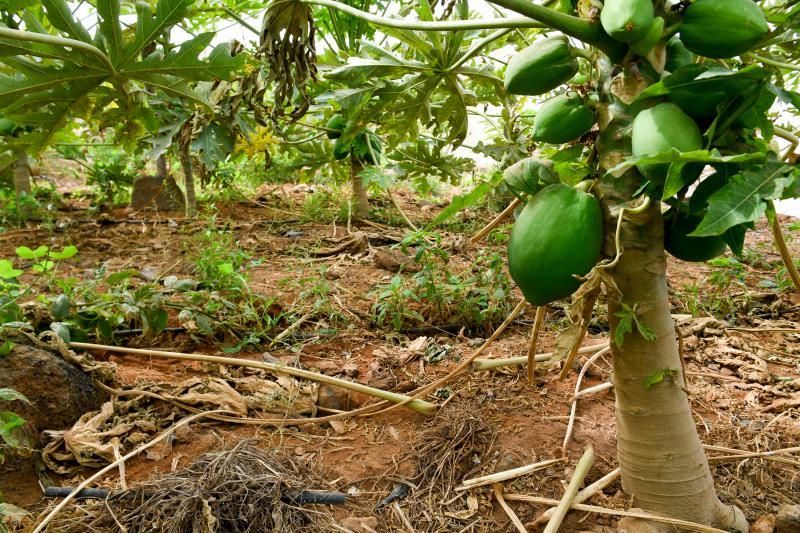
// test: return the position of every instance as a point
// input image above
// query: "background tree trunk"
(188, 182)
(22, 175)
(22, 185)
(161, 167)
(360, 198)
(664, 467)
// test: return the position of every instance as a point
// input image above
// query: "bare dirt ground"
(744, 377)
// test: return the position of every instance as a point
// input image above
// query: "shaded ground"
(743, 382)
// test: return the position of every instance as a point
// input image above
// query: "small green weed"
(722, 301)
(317, 299)
(436, 295)
(326, 204)
(12, 437)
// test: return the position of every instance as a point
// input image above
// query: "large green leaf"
(185, 62)
(151, 25)
(744, 198)
(359, 70)
(50, 84)
(703, 79)
(213, 143)
(110, 28)
(60, 16)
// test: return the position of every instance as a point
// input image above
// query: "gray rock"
(788, 519)
(153, 192)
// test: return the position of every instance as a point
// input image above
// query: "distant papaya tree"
(427, 84)
(672, 137)
(57, 70)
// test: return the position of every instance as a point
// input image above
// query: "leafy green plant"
(628, 319)
(318, 300)
(326, 203)
(11, 437)
(438, 296)
(111, 173)
(11, 423)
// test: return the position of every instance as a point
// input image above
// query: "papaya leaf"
(675, 156)
(185, 62)
(744, 198)
(628, 318)
(703, 79)
(785, 95)
(659, 376)
(461, 202)
(212, 144)
(358, 70)
(734, 237)
(60, 16)
(149, 26)
(110, 27)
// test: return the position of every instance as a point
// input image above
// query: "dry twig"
(581, 469)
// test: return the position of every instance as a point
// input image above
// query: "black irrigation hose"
(306, 497)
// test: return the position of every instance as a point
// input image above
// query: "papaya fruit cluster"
(711, 28)
(366, 147)
(558, 235)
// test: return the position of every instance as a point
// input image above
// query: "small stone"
(788, 519)
(764, 524)
(394, 261)
(360, 524)
(637, 525)
(338, 398)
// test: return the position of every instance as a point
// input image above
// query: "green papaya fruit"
(541, 67)
(677, 227)
(723, 28)
(677, 55)
(7, 126)
(659, 129)
(562, 119)
(558, 235)
(337, 123)
(650, 39)
(527, 175)
(341, 149)
(627, 20)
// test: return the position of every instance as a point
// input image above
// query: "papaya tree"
(674, 132)
(429, 81)
(57, 70)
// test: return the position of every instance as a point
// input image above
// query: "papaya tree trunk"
(22, 176)
(664, 467)
(360, 198)
(22, 185)
(188, 183)
(161, 167)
